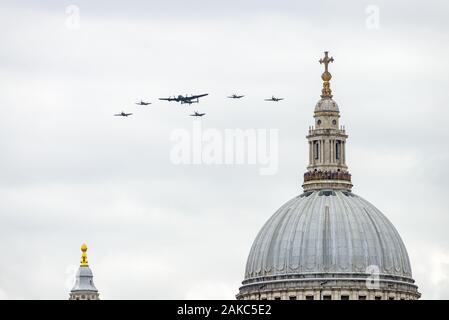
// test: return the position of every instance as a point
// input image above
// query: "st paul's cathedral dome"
(328, 243)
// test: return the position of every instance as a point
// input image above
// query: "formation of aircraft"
(122, 114)
(273, 98)
(189, 100)
(234, 96)
(180, 98)
(196, 114)
(186, 99)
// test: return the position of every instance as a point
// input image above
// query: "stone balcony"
(317, 180)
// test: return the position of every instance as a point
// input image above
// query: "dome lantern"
(327, 142)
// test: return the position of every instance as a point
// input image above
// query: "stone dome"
(326, 104)
(328, 236)
(327, 231)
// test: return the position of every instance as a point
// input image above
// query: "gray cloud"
(70, 172)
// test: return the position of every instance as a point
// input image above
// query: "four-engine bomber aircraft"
(186, 99)
(143, 103)
(196, 114)
(234, 96)
(122, 114)
(273, 98)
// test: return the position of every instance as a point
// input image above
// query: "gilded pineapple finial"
(83, 261)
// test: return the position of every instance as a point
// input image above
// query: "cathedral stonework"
(328, 243)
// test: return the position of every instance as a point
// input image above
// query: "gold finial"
(84, 255)
(326, 92)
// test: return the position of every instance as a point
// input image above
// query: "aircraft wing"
(198, 96)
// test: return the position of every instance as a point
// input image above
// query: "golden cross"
(326, 60)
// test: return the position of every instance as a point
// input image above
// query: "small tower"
(327, 167)
(84, 288)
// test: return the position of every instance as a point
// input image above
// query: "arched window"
(316, 150)
(338, 149)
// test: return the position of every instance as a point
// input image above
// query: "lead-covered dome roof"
(84, 280)
(327, 231)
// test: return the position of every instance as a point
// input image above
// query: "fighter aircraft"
(186, 99)
(234, 96)
(143, 103)
(196, 114)
(273, 98)
(122, 114)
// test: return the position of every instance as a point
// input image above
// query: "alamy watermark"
(72, 20)
(259, 147)
(372, 21)
(373, 279)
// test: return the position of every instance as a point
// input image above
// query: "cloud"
(3, 295)
(71, 172)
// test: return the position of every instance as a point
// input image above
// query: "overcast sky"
(70, 172)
